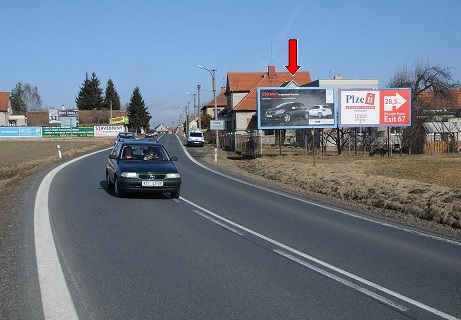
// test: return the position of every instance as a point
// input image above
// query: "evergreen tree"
(111, 95)
(17, 103)
(137, 112)
(90, 95)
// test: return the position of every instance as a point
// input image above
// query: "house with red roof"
(5, 108)
(221, 104)
(241, 94)
(443, 105)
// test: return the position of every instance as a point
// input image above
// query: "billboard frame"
(298, 99)
(388, 107)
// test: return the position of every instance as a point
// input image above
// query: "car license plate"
(152, 183)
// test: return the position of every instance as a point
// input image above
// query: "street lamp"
(213, 80)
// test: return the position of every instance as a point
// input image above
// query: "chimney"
(223, 89)
(271, 71)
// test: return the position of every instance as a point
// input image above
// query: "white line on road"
(218, 223)
(347, 213)
(327, 265)
(343, 281)
(56, 300)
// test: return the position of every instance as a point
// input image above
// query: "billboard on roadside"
(368, 108)
(296, 108)
(55, 115)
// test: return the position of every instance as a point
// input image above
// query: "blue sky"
(157, 45)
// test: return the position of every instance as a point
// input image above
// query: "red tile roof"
(250, 81)
(435, 103)
(221, 100)
(4, 99)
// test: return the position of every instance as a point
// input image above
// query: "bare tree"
(422, 78)
(31, 97)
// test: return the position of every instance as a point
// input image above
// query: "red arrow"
(292, 56)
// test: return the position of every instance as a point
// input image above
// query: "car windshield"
(196, 134)
(144, 153)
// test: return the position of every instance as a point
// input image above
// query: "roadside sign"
(216, 124)
(119, 120)
(364, 108)
(296, 107)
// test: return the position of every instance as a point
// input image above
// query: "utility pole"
(198, 109)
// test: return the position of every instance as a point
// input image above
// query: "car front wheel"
(286, 117)
(175, 194)
(118, 193)
(110, 184)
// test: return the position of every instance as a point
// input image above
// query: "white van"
(195, 138)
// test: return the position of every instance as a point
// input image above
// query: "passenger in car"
(151, 154)
(128, 153)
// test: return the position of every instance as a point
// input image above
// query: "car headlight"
(129, 174)
(279, 111)
(172, 176)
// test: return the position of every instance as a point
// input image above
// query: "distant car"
(150, 134)
(121, 136)
(286, 112)
(141, 172)
(195, 138)
(319, 111)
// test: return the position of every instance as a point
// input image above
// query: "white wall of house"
(242, 119)
(4, 119)
(234, 98)
(17, 120)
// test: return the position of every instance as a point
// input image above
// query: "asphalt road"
(224, 250)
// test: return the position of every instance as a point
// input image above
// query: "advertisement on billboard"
(55, 115)
(296, 108)
(108, 131)
(53, 132)
(119, 120)
(20, 132)
(368, 108)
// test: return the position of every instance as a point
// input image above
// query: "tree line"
(25, 97)
(421, 78)
(90, 97)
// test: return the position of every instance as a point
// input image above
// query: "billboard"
(368, 108)
(296, 108)
(16, 132)
(119, 120)
(53, 132)
(55, 115)
(107, 131)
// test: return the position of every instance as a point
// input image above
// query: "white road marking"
(219, 223)
(343, 281)
(347, 213)
(56, 300)
(327, 265)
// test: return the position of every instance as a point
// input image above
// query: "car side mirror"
(174, 158)
(112, 156)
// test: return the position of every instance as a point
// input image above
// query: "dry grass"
(422, 190)
(20, 158)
